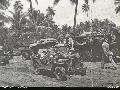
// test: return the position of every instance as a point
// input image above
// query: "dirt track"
(18, 74)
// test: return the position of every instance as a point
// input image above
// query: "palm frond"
(85, 7)
(36, 1)
(11, 12)
(86, 1)
(117, 2)
(94, 1)
(117, 9)
(74, 1)
(56, 2)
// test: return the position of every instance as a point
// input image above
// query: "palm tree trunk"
(31, 5)
(31, 9)
(75, 16)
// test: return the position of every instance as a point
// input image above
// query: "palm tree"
(85, 8)
(48, 21)
(117, 3)
(31, 6)
(76, 5)
(18, 19)
(50, 12)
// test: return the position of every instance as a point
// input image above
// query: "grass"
(18, 73)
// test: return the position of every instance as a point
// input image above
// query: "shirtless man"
(69, 41)
(108, 53)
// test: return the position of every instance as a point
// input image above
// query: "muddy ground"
(19, 73)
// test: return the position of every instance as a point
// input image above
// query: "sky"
(64, 13)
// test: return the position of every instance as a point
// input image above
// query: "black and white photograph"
(60, 43)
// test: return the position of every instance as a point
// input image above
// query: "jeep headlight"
(60, 60)
(51, 56)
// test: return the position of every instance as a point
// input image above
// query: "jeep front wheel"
(60, 73)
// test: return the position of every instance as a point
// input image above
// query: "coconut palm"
(18, 19)
(50, 12)
(31, 6)
(76, 5)
(85, 8)
(117, 3)
(48, 21)
(75, 2)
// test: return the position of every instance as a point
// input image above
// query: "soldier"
(69, 41)
(108, 53)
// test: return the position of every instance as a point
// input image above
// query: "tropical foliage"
(4, 4)
(85, 8)
(31, 26)
(117, 3)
